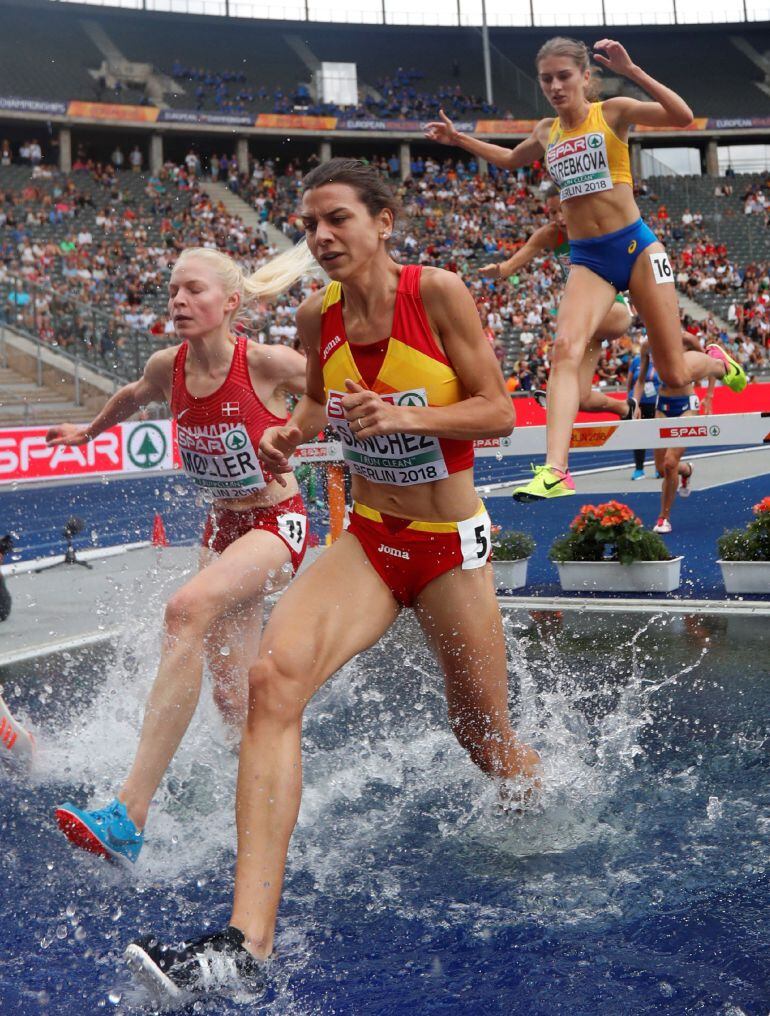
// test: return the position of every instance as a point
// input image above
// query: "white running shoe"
(16, 743)
(662, 526)
(684, 489)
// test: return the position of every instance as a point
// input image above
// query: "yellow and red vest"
(413, 372)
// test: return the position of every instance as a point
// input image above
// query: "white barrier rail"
(134, 449)
(689, 431)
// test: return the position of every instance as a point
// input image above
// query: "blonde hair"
(580, 55)
(267, 282)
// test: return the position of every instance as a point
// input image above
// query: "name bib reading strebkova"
(400, 459)
(579, 166)
(221, 459)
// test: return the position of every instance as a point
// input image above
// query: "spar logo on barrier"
(126, 448)
(591, 437)
(147, 446)
(690, 431)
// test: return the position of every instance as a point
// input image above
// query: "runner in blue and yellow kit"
(553, 237)
(586, 153)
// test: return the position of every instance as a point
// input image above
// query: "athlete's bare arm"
(667, 108)
(309, 416)
(486, 412)
(283, 366)
(542, 239)
(644, 363)
(528, 151)
(153, 386)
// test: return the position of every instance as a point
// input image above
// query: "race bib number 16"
(661, 267)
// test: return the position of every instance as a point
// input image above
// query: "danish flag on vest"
(219, 434)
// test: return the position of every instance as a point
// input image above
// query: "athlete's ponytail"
(268, 281)
(580, 54)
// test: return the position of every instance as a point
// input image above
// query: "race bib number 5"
(661, 268)
(293, 528)
(475, 541)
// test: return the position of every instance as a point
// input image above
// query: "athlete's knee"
(674, 375)
(568, 349)
(670, 465)
(275, 690)
(186, 610)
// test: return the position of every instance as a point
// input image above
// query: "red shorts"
(407, 555)
(287, 519)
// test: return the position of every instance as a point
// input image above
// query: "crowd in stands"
(106, 238)
(228, 89)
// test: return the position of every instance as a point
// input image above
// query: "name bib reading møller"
(400, 459)
(579, 166)
(221, 459)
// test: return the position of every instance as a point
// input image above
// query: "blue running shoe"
(108, 832)
(638, 474)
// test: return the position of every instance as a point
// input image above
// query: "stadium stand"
(403, 71)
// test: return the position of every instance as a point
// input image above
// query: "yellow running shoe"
(547, 482)
(735, 376)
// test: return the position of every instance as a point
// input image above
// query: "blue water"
(642, 887)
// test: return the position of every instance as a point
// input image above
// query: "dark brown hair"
(373, 191)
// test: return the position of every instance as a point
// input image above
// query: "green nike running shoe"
(735, 376)
(547, 482)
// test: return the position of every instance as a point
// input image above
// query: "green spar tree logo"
(235, 440)
(411, 399)
(146, 446)
(594, 141)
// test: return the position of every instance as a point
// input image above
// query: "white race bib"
(220, 459)
(475, 540)
(400, 459)
(650, 391)
(579, 166)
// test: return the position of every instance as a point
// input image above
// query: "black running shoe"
(210, 965)
(540, 397)
(633, 405)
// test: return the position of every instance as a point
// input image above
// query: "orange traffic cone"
(159, 538)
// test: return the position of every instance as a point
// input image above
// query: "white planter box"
(510, 574)
(613, 577)
(746, 576)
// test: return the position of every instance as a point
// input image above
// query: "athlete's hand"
(277, 446)
(67, 434)
(368, 414)
(616, 58)
(442, 130)
(491, 271)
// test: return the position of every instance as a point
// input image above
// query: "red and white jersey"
(219, 434)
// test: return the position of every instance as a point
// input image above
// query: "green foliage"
(751, 543)
(512, 545)
(608, 532)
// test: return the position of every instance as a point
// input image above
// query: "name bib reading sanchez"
(221, 459)
(579, 166)
(400, 459)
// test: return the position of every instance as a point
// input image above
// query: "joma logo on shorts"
(393, 551)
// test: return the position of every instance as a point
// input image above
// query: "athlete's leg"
(232, 645)
(592, 401)
(239, 576)
(459, 614)
(586, 301)
(658, 306)
(334, 610)
(669, 467)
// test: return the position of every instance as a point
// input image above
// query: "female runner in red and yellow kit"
(397, 359)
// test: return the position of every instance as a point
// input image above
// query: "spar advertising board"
(124, 449)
